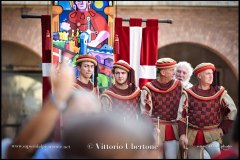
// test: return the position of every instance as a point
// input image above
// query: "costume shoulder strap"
(153, 88)
(117, 96)
(216, 95)
(223, 95)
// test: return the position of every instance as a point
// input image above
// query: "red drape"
(148, 47)
(150, 41)
(46, 53)
(123, 35)
(46, 64)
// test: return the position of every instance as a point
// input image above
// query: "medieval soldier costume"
(123, 101)
(160, 100)
(209, 112)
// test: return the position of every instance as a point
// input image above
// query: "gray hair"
(186, 65)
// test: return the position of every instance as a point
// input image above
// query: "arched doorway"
(196, 54)
(21, 86)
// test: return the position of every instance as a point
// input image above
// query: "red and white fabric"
(57, 56)
(46, 54)
(139, 47)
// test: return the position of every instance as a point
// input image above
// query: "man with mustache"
(183, 73)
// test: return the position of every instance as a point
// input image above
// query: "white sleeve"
(228, 102)
(182, 107)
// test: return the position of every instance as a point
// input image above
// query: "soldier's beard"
(185, 82)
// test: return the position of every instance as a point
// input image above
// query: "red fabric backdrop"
(148, 48)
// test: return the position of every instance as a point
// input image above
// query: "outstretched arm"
(42, 124)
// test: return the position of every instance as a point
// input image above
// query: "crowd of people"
(168, 118)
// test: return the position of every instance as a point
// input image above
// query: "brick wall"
(215, 28)
(26, 32)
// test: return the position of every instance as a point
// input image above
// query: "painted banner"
(83, 27)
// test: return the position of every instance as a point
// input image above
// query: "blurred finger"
(53, 71)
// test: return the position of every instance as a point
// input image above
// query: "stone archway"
(196, 54)
(17, 55)
(21, 86)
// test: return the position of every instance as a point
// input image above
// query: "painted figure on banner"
(82, 27)
(84, 19)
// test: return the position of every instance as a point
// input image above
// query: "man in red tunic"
(86, 64)
(123, 97)
(206, 112)
(159, 101)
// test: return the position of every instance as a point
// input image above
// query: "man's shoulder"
(150, 83)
